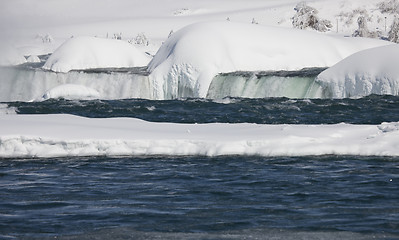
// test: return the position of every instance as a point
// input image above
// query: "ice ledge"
(66, 135)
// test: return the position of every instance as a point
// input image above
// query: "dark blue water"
(45, 197)
(196, 197)
(373, 109)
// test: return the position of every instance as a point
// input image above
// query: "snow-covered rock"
(71, 91)
(190, 58)
(9, 56)
(89, 52)
(372, 71)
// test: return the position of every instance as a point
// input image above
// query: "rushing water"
(373, 109)
(77, 196)
(196, 197)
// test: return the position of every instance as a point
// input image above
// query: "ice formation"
(187, 62)
(90, 52)
(372, 71)
(21, 84)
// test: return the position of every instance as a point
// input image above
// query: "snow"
(372, 71)
(191, 57)
(63, 19)
(5, 109)
(68, 135)
(10, 56)
(184, 66)
(33, 59)
(89, 52)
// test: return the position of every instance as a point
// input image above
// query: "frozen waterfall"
(25, 84)
(291, 84)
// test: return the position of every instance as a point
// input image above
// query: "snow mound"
(33, 59)
(372, 71)
(9, 56)
(71, 91)
(67, 135)
(91, 52)
(190, 58)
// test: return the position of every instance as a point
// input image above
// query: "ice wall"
(23, 84)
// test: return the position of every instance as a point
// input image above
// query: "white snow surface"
(187, 62)
(68, 135)
(372, 71)
(90, 52)
(33, 59)
(9, 56)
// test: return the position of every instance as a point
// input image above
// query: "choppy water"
(196, 197)
(43, 197)
(373, 109)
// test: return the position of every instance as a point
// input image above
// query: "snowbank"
(190, 58)
(90, 52)
(9, 56)
(67, 135)
(372, 71)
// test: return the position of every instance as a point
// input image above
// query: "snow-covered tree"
(363, 30)
(393, 34)
(45, 38)
(306, 16)
(117, 36)
(140, 39)
(348, 17)
(390, 7)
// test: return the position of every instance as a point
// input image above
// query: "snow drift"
(372, 71)
(67, 135)
(9, 56)
(90, 52)
(190, 58)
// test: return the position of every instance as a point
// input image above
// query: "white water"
(20, 84)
